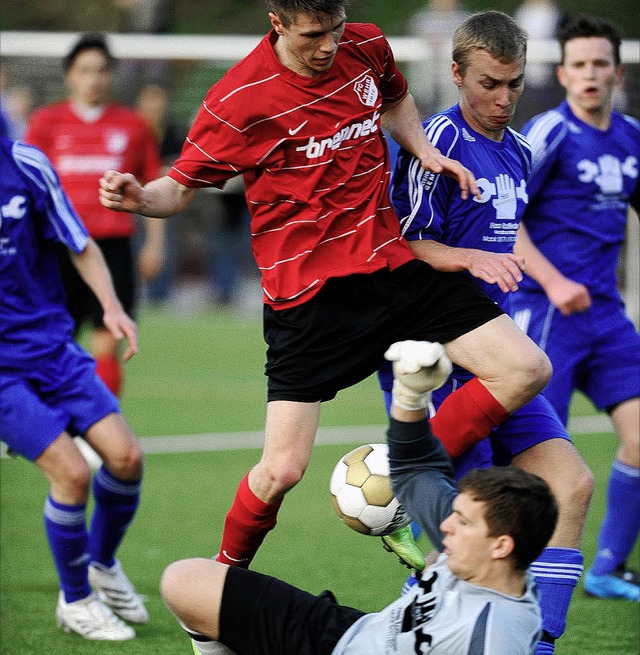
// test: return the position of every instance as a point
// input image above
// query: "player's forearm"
(442, 257)
(403, 124)
(421, 474)
(537, 266)
(164, 197)
(93, 269)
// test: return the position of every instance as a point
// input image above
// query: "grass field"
(204, 375)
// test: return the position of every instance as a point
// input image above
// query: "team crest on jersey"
(366, 90)
(608, 172)
(15, 208)
(117, 142)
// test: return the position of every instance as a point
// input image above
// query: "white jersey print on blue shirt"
(429, 206)
(582, 181)
(34, 320)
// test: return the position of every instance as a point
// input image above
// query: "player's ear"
(503, 546)
(560, 74)
(275, 22)
(455, 72)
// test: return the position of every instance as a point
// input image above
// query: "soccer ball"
(361, 492)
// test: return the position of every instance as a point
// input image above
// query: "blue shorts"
(60, 393)
(528, 426)
(597, 351)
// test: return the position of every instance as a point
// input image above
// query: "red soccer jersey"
(82, 150)
(314, 161)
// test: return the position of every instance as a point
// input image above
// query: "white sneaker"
(91, 619)
(115, 590)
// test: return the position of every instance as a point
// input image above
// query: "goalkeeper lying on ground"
(477, 597)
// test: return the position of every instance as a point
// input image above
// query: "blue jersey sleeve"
(545, 133)
(420, 197)
(60, 221)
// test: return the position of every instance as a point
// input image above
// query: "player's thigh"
(497, 349)
(565, 339)
(28, 423)
(78, 295)
(558, 462)
(260, 615)
(192, 589)
(72, 384)
(612, 369)
(532, 424)
(66, 469)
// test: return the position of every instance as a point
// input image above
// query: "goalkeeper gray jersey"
(443, 615)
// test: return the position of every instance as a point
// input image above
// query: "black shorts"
(81, 301)
(339, 337)
(261, 615)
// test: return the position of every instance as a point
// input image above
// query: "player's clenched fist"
(120, 191)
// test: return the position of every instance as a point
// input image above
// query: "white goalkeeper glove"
(419, 367)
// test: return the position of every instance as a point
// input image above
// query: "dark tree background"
(249, 16)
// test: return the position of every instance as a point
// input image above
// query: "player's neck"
(599, 118)
(89, 113)
(506, 581)
(290, 62)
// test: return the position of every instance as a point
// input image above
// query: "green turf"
(186, 380)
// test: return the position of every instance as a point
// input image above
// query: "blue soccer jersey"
(429, 206)
(582, 182)
(34, 321)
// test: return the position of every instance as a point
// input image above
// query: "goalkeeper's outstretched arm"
(421, 475)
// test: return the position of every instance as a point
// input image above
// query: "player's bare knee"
(72, 483)
(126, 463)
(172, 584)
(182, 585)
(533, 371)
(574, 490)
(284, 475)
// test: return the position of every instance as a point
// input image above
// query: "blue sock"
(545, 648)
(116, 503)
(67, 534)
(556, 572)
(619, 529)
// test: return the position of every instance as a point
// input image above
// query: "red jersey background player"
(82, 136)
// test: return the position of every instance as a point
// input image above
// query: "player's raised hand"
(419, 367)
(436, 162)
(120, 192)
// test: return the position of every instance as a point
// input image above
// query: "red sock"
(109, 371)
(466, 417)
(246, 526)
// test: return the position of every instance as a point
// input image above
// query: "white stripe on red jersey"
(314, 161)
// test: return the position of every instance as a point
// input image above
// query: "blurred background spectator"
(145, 17)
(430, 81)
(540, 19)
